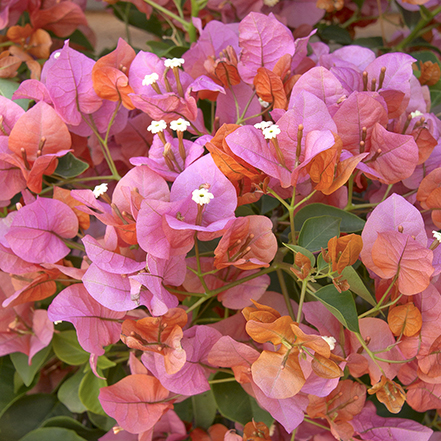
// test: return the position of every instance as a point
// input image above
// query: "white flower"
(416, 114)
(179, 125)
(150, 79)
(174, 62)
(331, 341)
(271, 132)
(263, 103)
(263, 125)
(437, 235)
(99, 190)
(202, 196)
(57, 54)
(157, 126)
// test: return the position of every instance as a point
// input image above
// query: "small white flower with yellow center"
(263, 125)
(263, 103)
(173, 62)
(202, 196)
(416, 114)
(157, 126)
(437, 235)
(271, 132)
(57, 54)
(179, 125)
(100, 190)
(331, 342)
(150, 79)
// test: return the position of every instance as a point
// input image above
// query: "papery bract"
(61, 18)
(391, 215)
(247, 244)
(40, 131)
(397, 253)
(375, 428)
(263, 40)
(69, 82)
(191, 379)
(378, 333)
(36, 233)
(22, 329)
(137, 402)
(96, 325)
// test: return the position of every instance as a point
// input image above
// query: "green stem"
(192, 32)
(215, 292)
(285, 293)
(308, 420)
(386, 194)
(73, 245)
(198, 261)
(368, 351)
(417, 30)
(103, 143)
(165, 11)
(254, 116)
(302, 299)
(247, 105)
(304, 200)
(222, 380)
(282, 201)
(350, 190)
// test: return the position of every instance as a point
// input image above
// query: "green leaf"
(337, 34)
(244, 210)
(298, 249)
(67, 348)
(69, 166)
(163, 49)
(104, 422)
(184, 410)
(104, 363)
(235, 404)
(80, 39)
(350, 223)
(411, 18)
(27, 413)
(357, 285)
(321, 263)
(69, 423)
(138, 19)
(21, 364)
(89, 390)
(52, 434)
(7, 392)
(268, 203)
(341, 305)
(426, 56)
(204, 409)
(316, 232)
(369, 42)
(7, 89)
(68, 393)
(435, 97)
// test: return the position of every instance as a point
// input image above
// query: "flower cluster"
(255, 222)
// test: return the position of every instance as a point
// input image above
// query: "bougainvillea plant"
(231, 234)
